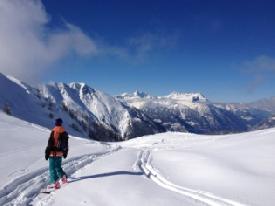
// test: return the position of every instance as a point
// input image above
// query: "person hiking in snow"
(56, 149)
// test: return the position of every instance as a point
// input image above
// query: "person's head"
(58, 122)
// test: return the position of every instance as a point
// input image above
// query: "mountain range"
(97, 115)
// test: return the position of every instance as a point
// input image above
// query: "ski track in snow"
(206, 198)
(24, 189)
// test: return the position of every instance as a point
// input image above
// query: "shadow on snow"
(107, 174)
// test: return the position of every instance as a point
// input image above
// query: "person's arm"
(48, 149)
(47, 153)
(66, 144)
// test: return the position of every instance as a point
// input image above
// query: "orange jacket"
(57, 131)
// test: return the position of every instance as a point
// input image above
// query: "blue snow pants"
(55, 170)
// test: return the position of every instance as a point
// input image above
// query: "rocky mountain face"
(94, 114)
(249, 115)
(105, 116)
(195, 113)
(267, 123)
(267, 104)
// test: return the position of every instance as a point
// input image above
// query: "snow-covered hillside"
(25, 102)
(85, 111)
(163, 169)
(23, 145)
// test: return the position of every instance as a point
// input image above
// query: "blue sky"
(223, 49)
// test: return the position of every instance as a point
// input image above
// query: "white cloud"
(28, 46)
(260, 70)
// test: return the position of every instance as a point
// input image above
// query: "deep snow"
(163, 169)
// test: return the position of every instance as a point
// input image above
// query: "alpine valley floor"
(163, 169)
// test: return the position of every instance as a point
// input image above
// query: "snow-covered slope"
(214, 170)
(186, 112)
(164, 169)
(19, 99)
(23, 145)
(24, 170)
(181, 169)
(25, 102)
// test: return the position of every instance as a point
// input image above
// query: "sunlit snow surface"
(163, 169)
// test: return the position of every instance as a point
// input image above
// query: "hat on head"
(58, 122)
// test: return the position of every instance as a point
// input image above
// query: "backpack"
(61, 145)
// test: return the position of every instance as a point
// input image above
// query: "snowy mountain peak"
(82, 87)
(179, 96)
(140, 94)
(57, 85)
(135, 94)
(76, 85)
(191, 97)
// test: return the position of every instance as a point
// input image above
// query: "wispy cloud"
(139, 48)
(262, 63)
(142, 46)
(260, 69)
(29, 46)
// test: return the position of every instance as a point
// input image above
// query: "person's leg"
(52, 170)
(59, 170)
